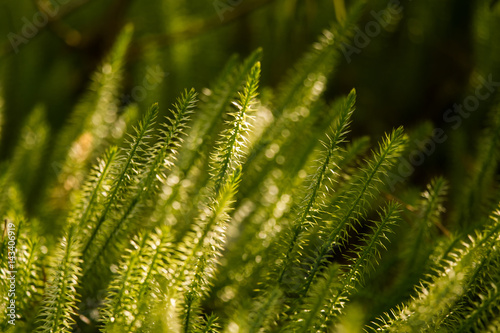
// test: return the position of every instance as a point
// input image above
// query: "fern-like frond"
(93, 191)
(437, 297)
(225, 90)
(125, 179)
(200, 249)
(211, 225)
(29, 267)
(423, 230)
(195, 152)
(268, 215)
(233, 139)
(60, 298)
(209, 325)
(169, 141)
(352, 205)
(284, 254)
(129, 296)
(478, 315)
(309, 316)
(14, 270)
(158, 159)
(191, 313)
(203, 248)
(368, 253)
(330, 293)
(315, 188)
(475, 306)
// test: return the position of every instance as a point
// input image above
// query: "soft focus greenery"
(240, 166)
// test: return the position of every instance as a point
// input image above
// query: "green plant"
(268, 221)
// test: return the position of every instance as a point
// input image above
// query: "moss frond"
(150, 175)
(352, 205)
(93, 191)
(60, 299)
(316, 187)
(233, 139)
(437, 297)
(202, 249)
(123, 185)
(129, 298)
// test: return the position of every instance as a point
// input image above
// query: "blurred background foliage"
(422, 63)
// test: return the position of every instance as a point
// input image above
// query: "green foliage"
(60, 298)
(132, 288)
(255, 211)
